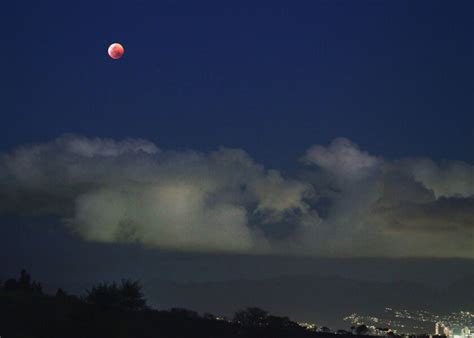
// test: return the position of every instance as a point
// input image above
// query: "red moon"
(116, 51)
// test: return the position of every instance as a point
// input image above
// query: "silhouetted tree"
(127, 296)
(209, 316)
(361, 329)
(343, 332)
(37, 288)
(276, 322)
(104, 295)
(60, 293)
(10, 285)
(24, 281)
(325, 329)
(184, 313)
(23, 284)
(251, 317)
(132, 296)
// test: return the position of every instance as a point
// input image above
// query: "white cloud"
(129, 191)
(351, 204)
(376, 207)
(343, 158)
(170, 216)
(447, 179)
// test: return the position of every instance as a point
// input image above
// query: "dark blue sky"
(272, 77)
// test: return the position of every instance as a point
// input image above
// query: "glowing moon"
(116, 51)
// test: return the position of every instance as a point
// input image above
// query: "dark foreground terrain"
(119, 310)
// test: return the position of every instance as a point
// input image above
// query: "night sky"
(270, 77)
(272, 131)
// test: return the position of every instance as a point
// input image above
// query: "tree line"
(121, 310)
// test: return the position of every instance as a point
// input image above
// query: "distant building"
(466, 332)
(438, 329)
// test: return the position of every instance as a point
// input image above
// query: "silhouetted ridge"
(119, 310)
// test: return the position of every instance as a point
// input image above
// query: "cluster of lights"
(418, 322)
(308, 326)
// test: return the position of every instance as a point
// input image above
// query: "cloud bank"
(345, 201)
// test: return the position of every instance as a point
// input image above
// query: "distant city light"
(453, 325)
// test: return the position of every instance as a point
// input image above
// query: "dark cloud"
(445, 215)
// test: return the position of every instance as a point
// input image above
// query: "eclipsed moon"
(116, 51)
